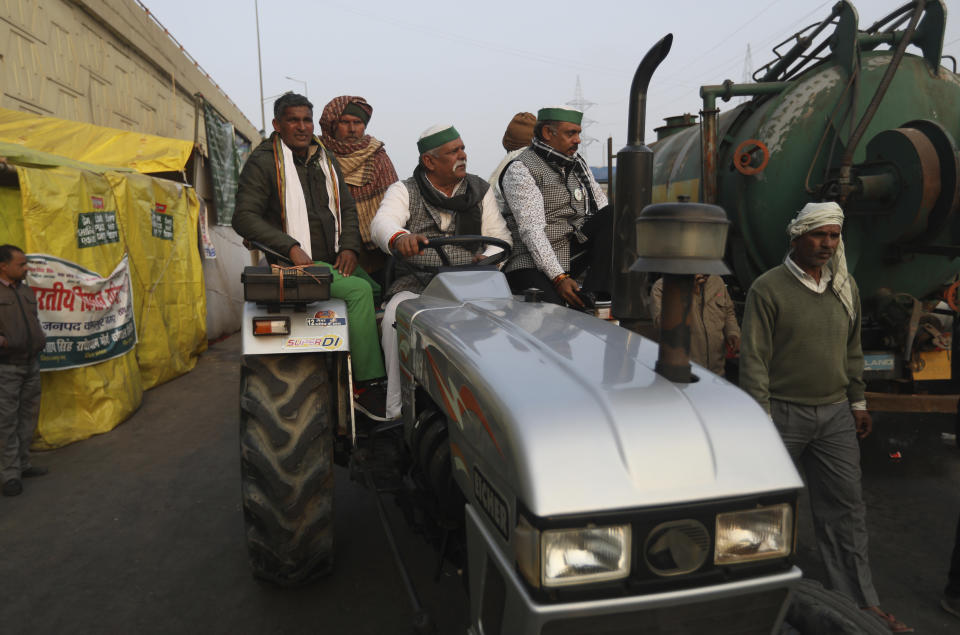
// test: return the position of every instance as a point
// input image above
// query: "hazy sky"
(475, 64)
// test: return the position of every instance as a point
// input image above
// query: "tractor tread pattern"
(286, 447)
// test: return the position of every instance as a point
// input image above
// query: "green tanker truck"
(870, 119)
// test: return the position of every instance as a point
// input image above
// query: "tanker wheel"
(286, 466)
(814, 610)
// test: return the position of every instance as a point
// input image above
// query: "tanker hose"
(882, 87)
(638, 89)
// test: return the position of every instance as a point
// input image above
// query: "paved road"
(140, 531)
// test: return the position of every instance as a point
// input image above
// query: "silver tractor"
(583, 478)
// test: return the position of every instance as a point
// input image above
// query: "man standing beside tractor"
(291, 197)
(21, 340)
(366, 167)
(801, 359)
(557, 213)
(440, 199)
(714, 330)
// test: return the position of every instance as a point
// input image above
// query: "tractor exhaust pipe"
(679, 240)
(676, 320)
(633, 189)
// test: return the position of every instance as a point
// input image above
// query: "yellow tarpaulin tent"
(80, 402)
(157, 222)
(94, 144)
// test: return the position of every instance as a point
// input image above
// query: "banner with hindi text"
(87, 318)
(71, 214)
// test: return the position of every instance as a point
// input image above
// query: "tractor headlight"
(755, 534)
(563, 557)
(576, 556)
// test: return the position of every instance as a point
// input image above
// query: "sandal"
(895, 625)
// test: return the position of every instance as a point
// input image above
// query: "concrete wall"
(105, 62)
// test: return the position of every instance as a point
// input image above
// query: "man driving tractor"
(440, 199)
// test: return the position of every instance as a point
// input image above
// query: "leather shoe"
(33, 471)
(13, 487)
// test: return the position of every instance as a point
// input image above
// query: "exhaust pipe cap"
(681, 238)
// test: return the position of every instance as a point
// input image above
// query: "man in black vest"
(440, 199)
(558, 214)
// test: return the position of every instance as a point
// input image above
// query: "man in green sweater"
(801, 360)
(291, 197)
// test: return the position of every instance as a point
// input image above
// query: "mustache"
(460, 164)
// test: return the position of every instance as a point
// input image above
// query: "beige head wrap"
(812, 216)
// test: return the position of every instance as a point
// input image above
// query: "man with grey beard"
(439, 200)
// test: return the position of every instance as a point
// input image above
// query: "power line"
(711, 72)
(459, 38)
(727, 37)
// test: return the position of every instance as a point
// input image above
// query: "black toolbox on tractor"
(298, 286)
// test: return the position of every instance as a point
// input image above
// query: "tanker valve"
(679, 240)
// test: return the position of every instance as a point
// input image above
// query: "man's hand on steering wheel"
(409, 244)
(567, 289)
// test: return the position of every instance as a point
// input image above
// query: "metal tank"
(853, 116)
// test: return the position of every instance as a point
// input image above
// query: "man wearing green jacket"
(291, 197)
(801, 359)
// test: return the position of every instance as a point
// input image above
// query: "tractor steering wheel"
(441, 241)
(462, 241)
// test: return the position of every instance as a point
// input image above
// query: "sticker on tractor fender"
(326, 321)
(492, 503)
(329, 342)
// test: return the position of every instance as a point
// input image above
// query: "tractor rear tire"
(286, 466)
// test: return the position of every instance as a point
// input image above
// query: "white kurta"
(394, 212)
(391, 219)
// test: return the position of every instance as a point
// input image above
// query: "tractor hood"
(567, 409)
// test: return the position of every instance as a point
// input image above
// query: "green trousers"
(361, 322)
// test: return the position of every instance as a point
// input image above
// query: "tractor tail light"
(271, 325)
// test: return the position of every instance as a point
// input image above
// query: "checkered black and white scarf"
(563, 164)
